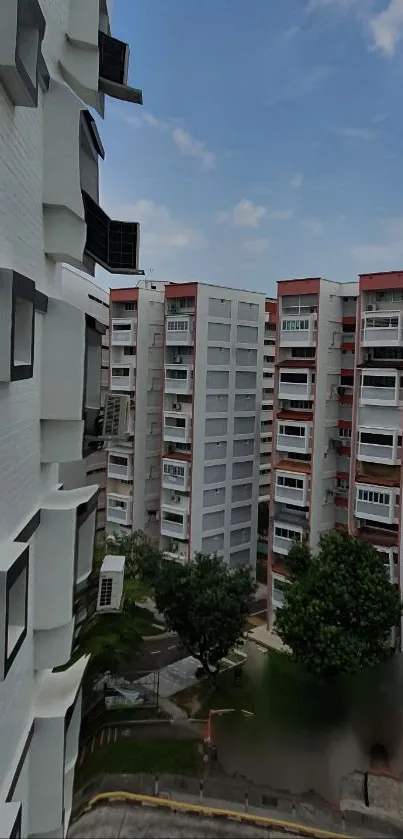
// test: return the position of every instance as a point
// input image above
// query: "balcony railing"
(179, 330)
(295, 390)
(119, 382)
(297, 331)
(120, 471)
(277, 597)
(385, 393)
(286, 494)
(375, 452)
(293, 443)
(282, 543)
(173, 528)
(175, 384)
(176, 481)
(381, 329)
(123, 332)
(376, 503)
(119, 515)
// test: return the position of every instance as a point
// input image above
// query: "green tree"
(339, 610)
(143, 559)
(206, 604)
(298, 558)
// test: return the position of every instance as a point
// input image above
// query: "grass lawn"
(177, 757)
(281, 694)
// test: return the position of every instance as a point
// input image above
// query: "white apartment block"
(338, 431)
(266, 417)
(212, 392)
(133, 417)
(56, 58)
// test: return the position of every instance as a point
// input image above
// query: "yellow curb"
(293, 827)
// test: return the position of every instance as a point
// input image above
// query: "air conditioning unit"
(176, 406)
(116, 416)
(178, 359)
(176, 499)
(371, 307)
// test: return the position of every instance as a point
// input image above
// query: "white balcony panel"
(121, 471)
(300, 441)
(381, 329)
(119, 509)
(379, 387)
(376, 503)
(121, 382)
(170, 527)
(175, 474)
(291, 488)
(284, 536)
(179, 330)
(295, 384)
(375, 445)
(297, 331)
(178, 379)
(174, 431)
(123, 332)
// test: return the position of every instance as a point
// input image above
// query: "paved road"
(160, 652)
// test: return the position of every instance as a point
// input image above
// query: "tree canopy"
(206, 604)
(143, 560)
(339, 607)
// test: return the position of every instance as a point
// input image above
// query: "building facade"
(266, 417)
(337, 429)
(79, 289)
(134, 410)
(56, 58)
(212, 392)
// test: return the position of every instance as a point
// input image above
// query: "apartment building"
(133, 418)
(313, 404)
(212, 392)
(79, 290)
(57, 57)
(338, 428)
(266, 417)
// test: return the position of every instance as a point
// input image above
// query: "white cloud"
(159, 229)
(314, 226)
(355, 133)
(244, 214)
(184, 142)
(281, 215)
(297, 180)
(387, 28)
(256, 246)
(191, 147)
(389, 250)
(383, 29)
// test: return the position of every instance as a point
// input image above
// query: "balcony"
(122, 377)
(179, 330)
(295, 384)
(119, 509)
(291, 488)
(277, 592)
(173, 524)
(120, 467)
(284, 536)
(123, 332)
(181, 306)
(175, 474)
(177, 428)
(381, 329)
(376, 503)
(114, 245)
(376, 445)
(380, 387)
(298, 331)
(294, 437)
(178, 379)
(113, 70)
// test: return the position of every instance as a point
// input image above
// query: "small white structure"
(110, 590)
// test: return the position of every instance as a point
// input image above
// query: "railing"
(116, 470)
(381, 395)
(171, 481)
(377, 453)
(376, 511)
(177, 385)
(117, 514)
(282, 545)
(277, 598)
(289, 443)
(173, 528)
(122, 382)
(293, 495)
(294, 390)
(176, 432)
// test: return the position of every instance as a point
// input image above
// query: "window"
(392, 353)
(129, 351)
(17, 333)
(303, 352)
(347, 381)
(116, 459)
(121, 327)
(130, 306)
(121, 371)
(376, 439)
(374, 497)
(105, 598)
(389, 296)
(345, 433)
(177, 325)
(294, 483)
(342, 484)
(25, 35)
(14, 564)
(121, 505)
(176, 374)
(301, 404)
(295, 325)
(284, 533)
(292, 430)
(381, 322)
(294, 378)
(378, 381)
(175, 471)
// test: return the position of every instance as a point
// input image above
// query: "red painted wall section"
(382, 280)
(122, 295)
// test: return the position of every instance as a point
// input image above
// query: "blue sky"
(270, 141)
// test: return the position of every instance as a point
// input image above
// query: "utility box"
(110, 588)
